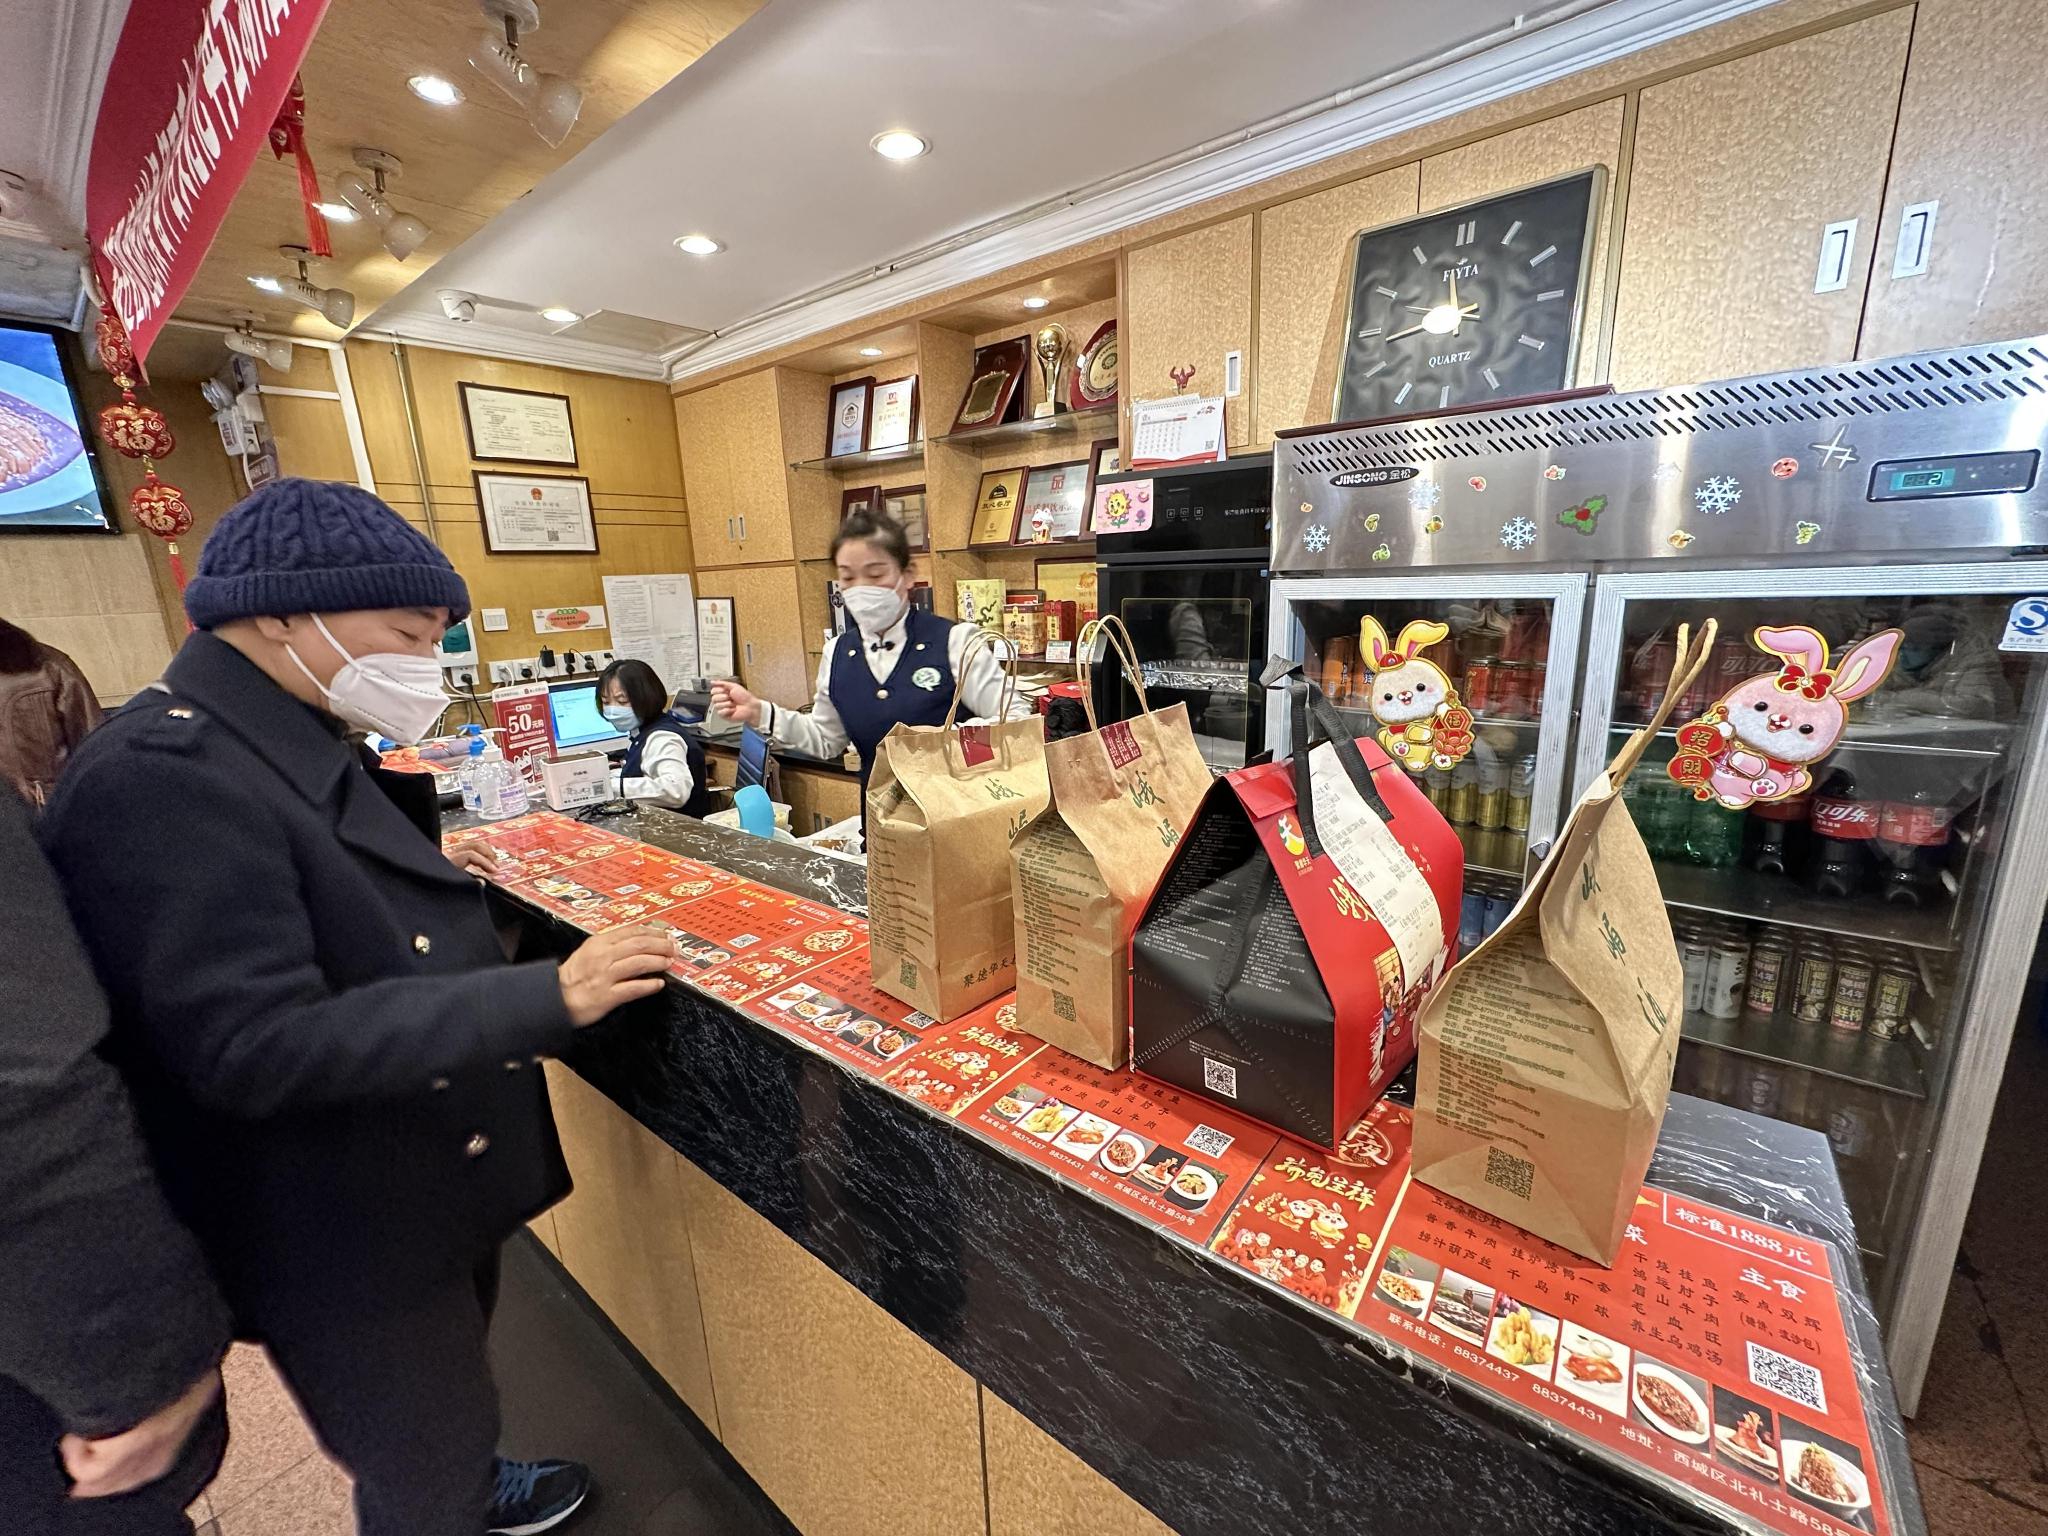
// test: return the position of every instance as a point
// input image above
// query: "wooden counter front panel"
(624, 1233)
(1190, 301)
(852, 1424)
(1737, 170)
(1037, 1486)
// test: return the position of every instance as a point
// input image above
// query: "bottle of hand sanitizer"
(501, 791)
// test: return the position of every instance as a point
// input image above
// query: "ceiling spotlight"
(336, 213)
(556, 315)
(274, 351)
(442, 93)
(402, 233)
(268, 284)
(1037, 301)
(898, 144)
(551, 102)
(698, 245)
(870, 351)
(336, 305)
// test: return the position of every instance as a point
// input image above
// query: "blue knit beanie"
(317, 546)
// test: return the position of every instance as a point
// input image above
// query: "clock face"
(1468, 305)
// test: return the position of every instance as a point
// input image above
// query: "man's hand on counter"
(613, 968)
(474, 859)
(735, 703)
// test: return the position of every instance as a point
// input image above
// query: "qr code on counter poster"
(1791, 1379)
(1207, 1141)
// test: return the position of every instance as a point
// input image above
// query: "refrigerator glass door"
(1854, 948)
(1198, 629)
(1508, 651)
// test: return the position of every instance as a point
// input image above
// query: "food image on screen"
(33, 443)
(47, 479)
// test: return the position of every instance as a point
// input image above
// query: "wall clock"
(1468, 304)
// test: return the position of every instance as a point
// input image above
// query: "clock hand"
(1409, 332)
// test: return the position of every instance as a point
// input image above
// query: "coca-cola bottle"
(1844, 824)
(1912, 847)
(1774, 842)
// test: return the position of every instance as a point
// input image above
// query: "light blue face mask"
(620, 716)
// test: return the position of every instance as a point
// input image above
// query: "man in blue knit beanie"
(335, 1066)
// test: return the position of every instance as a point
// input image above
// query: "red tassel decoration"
(288, 137)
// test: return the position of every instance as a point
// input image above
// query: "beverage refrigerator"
(1841, 807)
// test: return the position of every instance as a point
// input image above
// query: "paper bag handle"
(977, 642)
(1113, 634)
(1685, 666)
(1310, 708)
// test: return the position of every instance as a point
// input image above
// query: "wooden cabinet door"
(1190, 302)
(707, 474)
(767, 631)
(759, 475)
(1986, 276)
(1737, 172)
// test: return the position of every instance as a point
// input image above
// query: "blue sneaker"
(533, 1496)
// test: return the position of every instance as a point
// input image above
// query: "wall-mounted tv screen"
(49, 477)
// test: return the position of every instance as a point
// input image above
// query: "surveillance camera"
(456, 304)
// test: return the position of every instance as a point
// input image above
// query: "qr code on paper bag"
(1792, 1379)
(1504, 1170)
(1209, 1141)
(1219, 1077)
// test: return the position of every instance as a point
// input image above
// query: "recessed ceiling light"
(268, 284)
(1037, 301)
(870, 351)
(698, 245)
(898, 144)
(556, 315)
(336, 213)
(442, 93)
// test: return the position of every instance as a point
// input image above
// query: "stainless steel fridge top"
(1935, 452)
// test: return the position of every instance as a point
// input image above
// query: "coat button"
(477, 1145)
(512, 1066)
(919, 645)
(421, 943)
(440, 1085)
(179, 714)
(881, 693)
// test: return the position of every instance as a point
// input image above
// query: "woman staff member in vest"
(895, 666)
(664, 759)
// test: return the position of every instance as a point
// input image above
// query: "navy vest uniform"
(700, 802)
(918, 690)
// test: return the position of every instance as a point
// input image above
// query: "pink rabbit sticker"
(1423, 724)
(1764, 737)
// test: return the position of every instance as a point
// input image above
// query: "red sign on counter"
(960, 1062)
(838, 1007)
(746, 977)
(1177, 1160)
(522, 714)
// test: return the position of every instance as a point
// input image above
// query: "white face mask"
(620, 716)
(874, 609)
(391, 693)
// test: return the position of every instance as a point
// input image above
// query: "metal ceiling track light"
(551, 102)
(336, 305)
(401, 232)
(274, 352)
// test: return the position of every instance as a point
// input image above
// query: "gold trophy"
(1051, 349)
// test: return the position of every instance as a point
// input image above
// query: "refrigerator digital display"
(1967, 474)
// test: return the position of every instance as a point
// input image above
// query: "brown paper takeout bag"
(1546, 1056)
(943, 803)
(1082, 870)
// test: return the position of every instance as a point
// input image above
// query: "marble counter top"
(1222, 1403)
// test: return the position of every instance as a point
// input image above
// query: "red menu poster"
(839, 1008)
(961, 1061)
(533, 844)
(1311, 1220)
(746, 977)
(713, 928)
(1715, 1350)
(1177, 1160)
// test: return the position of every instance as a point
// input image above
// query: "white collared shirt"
(664, 778)
(821, 733)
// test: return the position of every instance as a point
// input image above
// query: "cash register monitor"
(572, 706)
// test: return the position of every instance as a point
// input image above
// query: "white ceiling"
(763, 143)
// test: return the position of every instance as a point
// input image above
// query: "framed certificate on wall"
(536, 514)
(995, 506)
(892, 413)
(517, 426)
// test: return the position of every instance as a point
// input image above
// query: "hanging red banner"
(190, 96)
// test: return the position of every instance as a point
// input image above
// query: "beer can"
(1855, 980)
(1727, 974)
(1493, 792)
(1891, 1000)
(1522, 793)
(1813, 982)
(1693, 954)
(1463, 809)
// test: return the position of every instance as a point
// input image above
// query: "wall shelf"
(1032, 426)
(908, 452)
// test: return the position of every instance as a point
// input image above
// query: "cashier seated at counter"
(664, 763)
(896, 666)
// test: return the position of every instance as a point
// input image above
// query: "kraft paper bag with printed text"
(943, 803)
(1082, 870)
(1546, 1056)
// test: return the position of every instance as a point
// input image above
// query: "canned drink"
(1694, 953)
(1848, 1127)
(1770, 967)
(1478, 690)
(1499, 903)
(1813, 982)
(1471, 919)
(1511, 691)
(1463, 807)
(1532, 687)
(1760, 1088)
(1493, 792)
(1727, 974)
(1891, 1000)
(1522, 793)
(1855, 978)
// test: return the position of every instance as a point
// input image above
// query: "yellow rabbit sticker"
(1423, 724)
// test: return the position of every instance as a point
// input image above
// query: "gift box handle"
(1311, 711)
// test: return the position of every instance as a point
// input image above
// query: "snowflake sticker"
(1517, 533)
(1424, 494)
(1553, 472)
(1316, 538)
(1716, 495)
